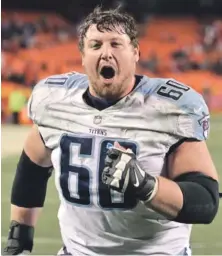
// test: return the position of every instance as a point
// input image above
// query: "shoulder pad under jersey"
(181, 101)
(52, 89)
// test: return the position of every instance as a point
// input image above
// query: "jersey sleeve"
(186, 110)
(37, 100)
(48, 90)
(194, 119)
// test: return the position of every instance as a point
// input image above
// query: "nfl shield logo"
(97, 119)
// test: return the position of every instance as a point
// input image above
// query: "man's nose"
(106, 54)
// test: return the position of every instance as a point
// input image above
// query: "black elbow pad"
(200, 196)
(30, 183)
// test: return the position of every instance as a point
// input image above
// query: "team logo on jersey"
(204, 123)
(97, 119)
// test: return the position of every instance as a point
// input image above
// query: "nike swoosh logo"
(141, 170)
(137, 181)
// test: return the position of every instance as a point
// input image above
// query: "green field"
(206, 239)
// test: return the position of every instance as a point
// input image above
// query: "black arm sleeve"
(30, 183)
(201, 198)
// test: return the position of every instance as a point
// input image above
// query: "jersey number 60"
(76, 178)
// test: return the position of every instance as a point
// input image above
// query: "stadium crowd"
(208, 44)
(31, 32)
(35, 45)
(19, 34)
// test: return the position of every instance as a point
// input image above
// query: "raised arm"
(191, 194)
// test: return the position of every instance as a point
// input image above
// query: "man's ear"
(137, 53)
(82, 56)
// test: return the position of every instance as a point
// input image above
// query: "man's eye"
(96, 46)
(115, 44)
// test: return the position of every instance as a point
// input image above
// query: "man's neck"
(93, 100)
(129, 89)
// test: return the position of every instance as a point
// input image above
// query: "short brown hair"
(107, 20)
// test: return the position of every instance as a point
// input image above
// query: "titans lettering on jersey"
(95, 220)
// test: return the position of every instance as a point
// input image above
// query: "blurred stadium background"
(178, 38)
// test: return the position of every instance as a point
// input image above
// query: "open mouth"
(107, 72)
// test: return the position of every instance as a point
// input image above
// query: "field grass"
(206, 239)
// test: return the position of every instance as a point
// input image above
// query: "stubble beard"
(112, 91)
(108, 91)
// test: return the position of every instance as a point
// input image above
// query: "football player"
(132, 168)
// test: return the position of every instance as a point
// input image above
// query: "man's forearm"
(168, 200)
(27, 216)
(193, 198)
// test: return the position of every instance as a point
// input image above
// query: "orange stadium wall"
(63, 56)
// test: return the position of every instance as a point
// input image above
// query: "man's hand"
(122, 171)
(20, 239)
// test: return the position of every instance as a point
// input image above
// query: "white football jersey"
(157, 114)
